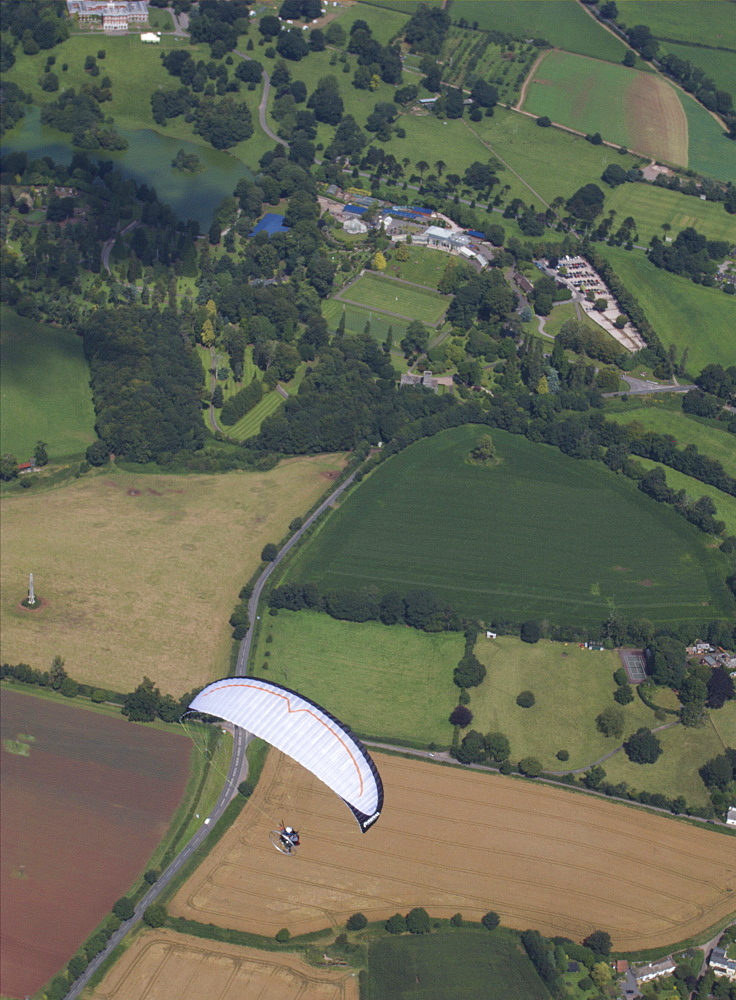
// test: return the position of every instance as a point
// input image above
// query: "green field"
(571, 686)
(684, 751)
(384, 295)
(424, 266)
(628, 107)
(250, 424)
(652, 206)
(719, 65)
(709, 22)
(454, 966)
(385, 681)
(664, 415)
(356, 318)
(540, 535)
(562, 22)
(45, 390)
(709, 151)
(530, 151)
(563, 312)
(682, 313)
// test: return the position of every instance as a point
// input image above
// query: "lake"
(147, 159)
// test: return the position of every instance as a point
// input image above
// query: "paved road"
(264, 103)
(641, 387)
(245, 645)
(107, 247)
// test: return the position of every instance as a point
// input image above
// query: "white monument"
(31, 592)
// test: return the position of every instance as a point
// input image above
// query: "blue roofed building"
(271, 223)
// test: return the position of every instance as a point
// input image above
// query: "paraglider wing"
(305, 732)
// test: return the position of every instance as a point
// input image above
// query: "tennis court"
(635, 664)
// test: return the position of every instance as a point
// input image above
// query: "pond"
(147, 159)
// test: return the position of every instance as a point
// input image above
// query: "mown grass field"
(356, 318)
(537, 536)
(424, 266)
(682, 313)
(684, 751)
(46, 396)
(563, 312)
(709, 151)
(652, 206)
(628, 107)
(384, 295)
(710, 22)
(571, 686)
(665, 417)
(250, 424)
(139, 573)
(384, 681)
(453, 965)
(562, 22)
(517, 140)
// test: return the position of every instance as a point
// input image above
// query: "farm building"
(645, 973)
(114, 14)
(721, 964)
(271, 223)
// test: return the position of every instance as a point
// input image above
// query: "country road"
(238, 764)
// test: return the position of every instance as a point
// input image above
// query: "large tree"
(643, 747)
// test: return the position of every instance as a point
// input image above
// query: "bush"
(269, 553)
(152, 875)
(98, 453)
(155, 915)
(525, 700)
(123, 908)
(461, 716)
(456, 920)
(498, 746)
(530, 766)
(396, 924)
(623, 695)
(283, 935)
(620, 677)
(357, 922)
(599, 942)
(490, 920)
(417, 921)
(98, 696)
(563, 755)
(530, 631)
(610, 721)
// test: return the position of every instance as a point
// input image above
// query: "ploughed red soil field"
(86, 798)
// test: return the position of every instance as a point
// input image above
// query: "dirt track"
(162, 965)
(454, 840)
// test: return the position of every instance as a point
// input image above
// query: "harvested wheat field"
(163, 965)
(454, 840)
(137, 574)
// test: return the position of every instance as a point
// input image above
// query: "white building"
(645, 973)
(115, 15)
(721, 965)
(731, 816)
(151, 36)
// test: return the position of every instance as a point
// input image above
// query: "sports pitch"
(628, 107)
(453, 840)
(387, 295)
(164, 965)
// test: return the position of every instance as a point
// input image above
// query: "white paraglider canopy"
(305, 732)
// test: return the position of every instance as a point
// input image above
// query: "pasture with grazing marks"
(139, 573)
(682, 313)
(172, 966)
(709, 22)
(454, 840)
(83, 811)
(628, 107)
(541, 536)
(387, 295)
(709, 151)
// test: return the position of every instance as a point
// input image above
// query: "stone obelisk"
(31, 592)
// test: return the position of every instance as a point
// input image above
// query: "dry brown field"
(452, 841)
(138, 574)
(83, 812)
(658, 123)
(163, 965)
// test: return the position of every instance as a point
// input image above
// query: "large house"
(646, 973)
(115, 15)
(721, 964)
